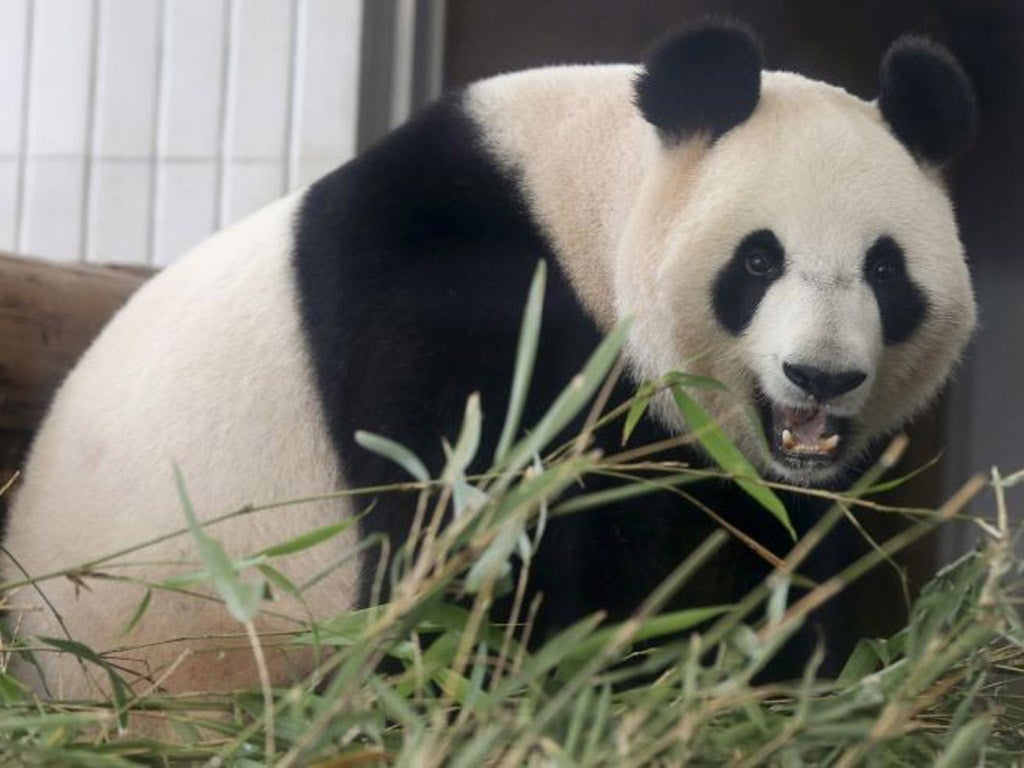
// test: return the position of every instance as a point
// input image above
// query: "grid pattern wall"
(133, 128)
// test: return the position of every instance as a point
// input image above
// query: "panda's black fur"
(704, 81)
(927, 99)
(413, 263)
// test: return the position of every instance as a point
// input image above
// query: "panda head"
(797, 244)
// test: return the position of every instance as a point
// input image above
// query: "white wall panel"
(14, 31)
(134, 128)
(248, 186)
(51, 223)
(259, 79)
(119, 211)
(128, 43)
(119, 169)
(194, 43)
(9, 175)
(61, 77)
(309, 169)
(186, 207)
(325, 102)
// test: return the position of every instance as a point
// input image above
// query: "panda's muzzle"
(804, 436)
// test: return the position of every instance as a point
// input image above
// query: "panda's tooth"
(829, 444)
(788, 441)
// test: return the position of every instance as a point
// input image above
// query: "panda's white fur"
(207, 366)
(203, 367)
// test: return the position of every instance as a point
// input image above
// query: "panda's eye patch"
(901, 302)
(884, 262)
(742, 282)
(762, 254)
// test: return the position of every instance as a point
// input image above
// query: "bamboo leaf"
(571, 400)
(11, 691)
(469, 440)
(278, 579)
(965, 744)
(862, 662)
(728, 456)
(526, 356)
(637, 409)
(641, 487)
(550, 655)
(396, 452)
(119, 688)
(241, 598)
(656, 626)
(896, 482)
(308, 540)
(140, 611)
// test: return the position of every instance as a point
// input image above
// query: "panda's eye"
(882, 271)
(884, 262)
(761, 262)
(758, 263)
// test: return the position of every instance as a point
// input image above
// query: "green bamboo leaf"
(526, 356)
(119, 688)
(580, 712)
(476, 751)
(465, 497)
(242, 599)
(462, 455)
(637, 409)
(571, 400)
(648, 390)
(966, 744)
(728, 456)
(599, 726)
(396, 452)
(454, 618)
(278, 579)
(690, 381)
(864, 660)
(438, 658)
(640, 487)
(140, 611)
(656, 626)
(493, 563)
(549, 656)
(308, 540)
(11, 691)
(394, 705)
(888, 485)
(545, 485)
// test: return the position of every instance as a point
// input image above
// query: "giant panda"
(770, 231)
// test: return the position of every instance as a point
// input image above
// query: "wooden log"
(49, 313)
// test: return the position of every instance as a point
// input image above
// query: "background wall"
(133, 128)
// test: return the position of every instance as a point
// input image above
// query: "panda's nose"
(823, 385)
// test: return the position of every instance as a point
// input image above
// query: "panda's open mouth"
(804, 437)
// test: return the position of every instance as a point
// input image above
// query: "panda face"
(812, 265)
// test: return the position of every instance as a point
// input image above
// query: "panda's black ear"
(927, 99)
(703, 79)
